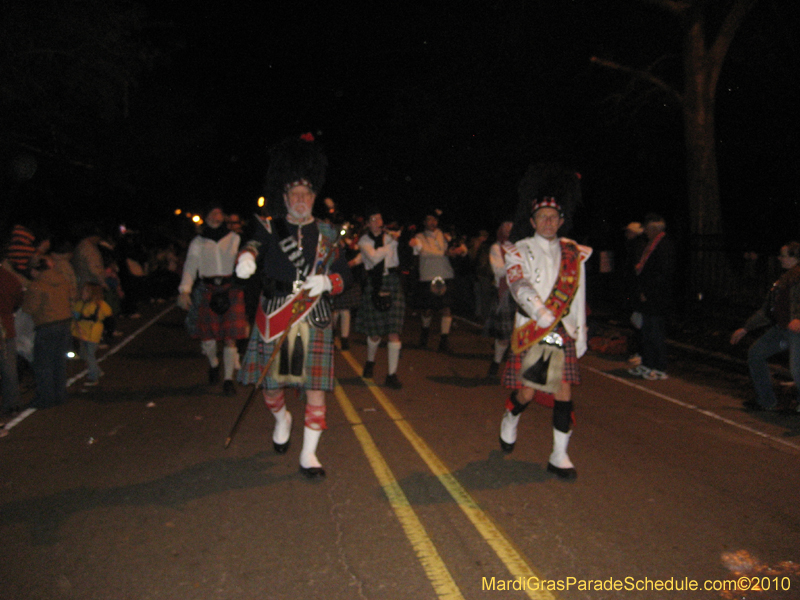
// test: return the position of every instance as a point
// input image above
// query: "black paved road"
(126, 492)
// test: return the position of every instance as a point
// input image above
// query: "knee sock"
(344, 324)
(514, 406)
(562, 416)
(500, 347)
(275, 404)
(229, 355)
(393, 349)
(372, 349)
(446, 323)
(315, 417)
(209, 349)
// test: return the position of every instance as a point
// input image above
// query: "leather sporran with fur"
(543, 367)
(290, 366)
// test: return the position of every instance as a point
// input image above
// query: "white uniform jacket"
(540, 261)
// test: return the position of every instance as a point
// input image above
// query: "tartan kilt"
(500, 323)
(372, 322)
(425, 299)
(350, 298)
(209, 325)
(318, 363)
(571, 375)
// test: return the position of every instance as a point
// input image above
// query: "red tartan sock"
(315, 418)
(274, 403)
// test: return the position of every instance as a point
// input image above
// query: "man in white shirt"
(434, 292)
(216, 307)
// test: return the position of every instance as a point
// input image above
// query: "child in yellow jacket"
(87, 326)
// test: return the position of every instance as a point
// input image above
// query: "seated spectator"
(780, 313)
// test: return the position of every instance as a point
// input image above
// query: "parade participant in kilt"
(287, 251)
(383, 304)
(546, 278)
(500, 323)
(435, 288)
(350, 299)
(216, 306)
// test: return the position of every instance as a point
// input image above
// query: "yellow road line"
(489, 531)
(426, 552)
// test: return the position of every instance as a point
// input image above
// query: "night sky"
(444, 104)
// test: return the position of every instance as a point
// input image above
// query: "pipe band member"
(289, 251)
(546, 279)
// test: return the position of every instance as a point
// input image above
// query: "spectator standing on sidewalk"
(49, 301)
(11, 296)
(780, 313)
(654, 281)
(89, 314)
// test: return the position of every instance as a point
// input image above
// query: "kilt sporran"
(543, 364)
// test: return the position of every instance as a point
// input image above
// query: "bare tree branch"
(639, 74)
(719, 49)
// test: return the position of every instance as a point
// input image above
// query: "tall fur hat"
(546, 185)
(297, 160)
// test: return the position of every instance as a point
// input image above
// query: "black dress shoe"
(213, 375)
(567, 474)
(506, 447)
(345, 343)
(313, 472)
(280, 448)
(369, 368)
(393, 382)
(228, 388)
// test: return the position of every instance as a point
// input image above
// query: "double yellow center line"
(429, 558)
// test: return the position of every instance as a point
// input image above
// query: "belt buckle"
(218, 280)
(297, 285)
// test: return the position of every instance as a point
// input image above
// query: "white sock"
(372, 349)
(500, 347)
(446, 323)
(344, 324)
(229, 355)
(508, 427)
(308, 455)
(394, 356)
(283, 426)
(209, 349)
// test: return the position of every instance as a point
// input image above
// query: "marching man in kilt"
(290, 252)
(216, 306)
(383, 305)
(546, 278)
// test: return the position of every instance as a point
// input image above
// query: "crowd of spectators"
(44, 270)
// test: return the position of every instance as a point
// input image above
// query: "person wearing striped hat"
(546, 278)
